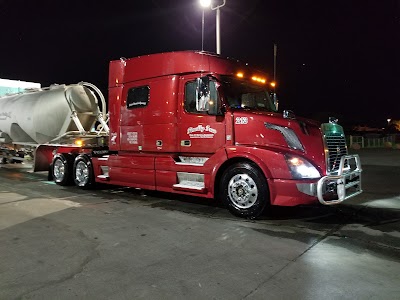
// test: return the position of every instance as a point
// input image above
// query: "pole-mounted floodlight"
(208, 3)
(205, 3)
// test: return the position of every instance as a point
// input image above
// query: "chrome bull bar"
(347, 181)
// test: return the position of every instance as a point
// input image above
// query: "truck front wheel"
(83, 172)
(244, 190)
(61, 168)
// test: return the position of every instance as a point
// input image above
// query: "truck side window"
(190, 98)
(138, 97)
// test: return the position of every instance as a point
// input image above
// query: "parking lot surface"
(118, 243)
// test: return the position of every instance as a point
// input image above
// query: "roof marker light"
(258, 79)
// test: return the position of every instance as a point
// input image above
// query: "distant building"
(16, 86)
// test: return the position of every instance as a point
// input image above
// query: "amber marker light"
(79, 143)
(259, 79)
(240, 74)
(273, 83)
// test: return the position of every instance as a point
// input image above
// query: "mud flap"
(43, 157)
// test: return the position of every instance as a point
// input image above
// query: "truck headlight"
(301, 168)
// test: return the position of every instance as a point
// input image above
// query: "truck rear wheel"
(83, 172)
(62, 169)
(244, 190)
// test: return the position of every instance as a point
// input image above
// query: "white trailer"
(57, 114)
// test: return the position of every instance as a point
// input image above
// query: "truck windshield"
(241, 94)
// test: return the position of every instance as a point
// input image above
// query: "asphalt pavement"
(378, 156)
(117, 243)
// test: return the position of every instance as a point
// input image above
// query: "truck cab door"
(201, 130)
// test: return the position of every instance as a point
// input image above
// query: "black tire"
(244, 190)
(20, 154)
(61, 169)
(83, 172)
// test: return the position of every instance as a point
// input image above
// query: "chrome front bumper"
(346, 183)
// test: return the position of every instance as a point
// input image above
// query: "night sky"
(335, 58)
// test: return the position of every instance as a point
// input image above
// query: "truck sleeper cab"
(195, 123)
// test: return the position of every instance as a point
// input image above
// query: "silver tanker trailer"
(58, 114)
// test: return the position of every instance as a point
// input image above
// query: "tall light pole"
(204, 4)
(209, 3)
(275, 53)
(202, 31)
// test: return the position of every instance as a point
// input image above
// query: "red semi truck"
(196, 123)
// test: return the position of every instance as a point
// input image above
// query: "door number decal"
(241, 120)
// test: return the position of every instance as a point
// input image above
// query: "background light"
(205, 3)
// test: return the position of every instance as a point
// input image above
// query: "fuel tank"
(40, 115)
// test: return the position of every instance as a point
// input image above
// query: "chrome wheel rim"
(242, 191)
(59, 170)
(82, 173)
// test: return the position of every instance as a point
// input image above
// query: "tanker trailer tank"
(45, 115)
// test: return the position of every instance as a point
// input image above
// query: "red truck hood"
(269, 129)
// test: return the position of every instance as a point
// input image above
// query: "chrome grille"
(336, 144)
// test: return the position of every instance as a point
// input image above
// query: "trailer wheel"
(62, 169)
(244, 190)
(83, 172)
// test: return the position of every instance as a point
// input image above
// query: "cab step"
(190, 182)
(103, 177)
